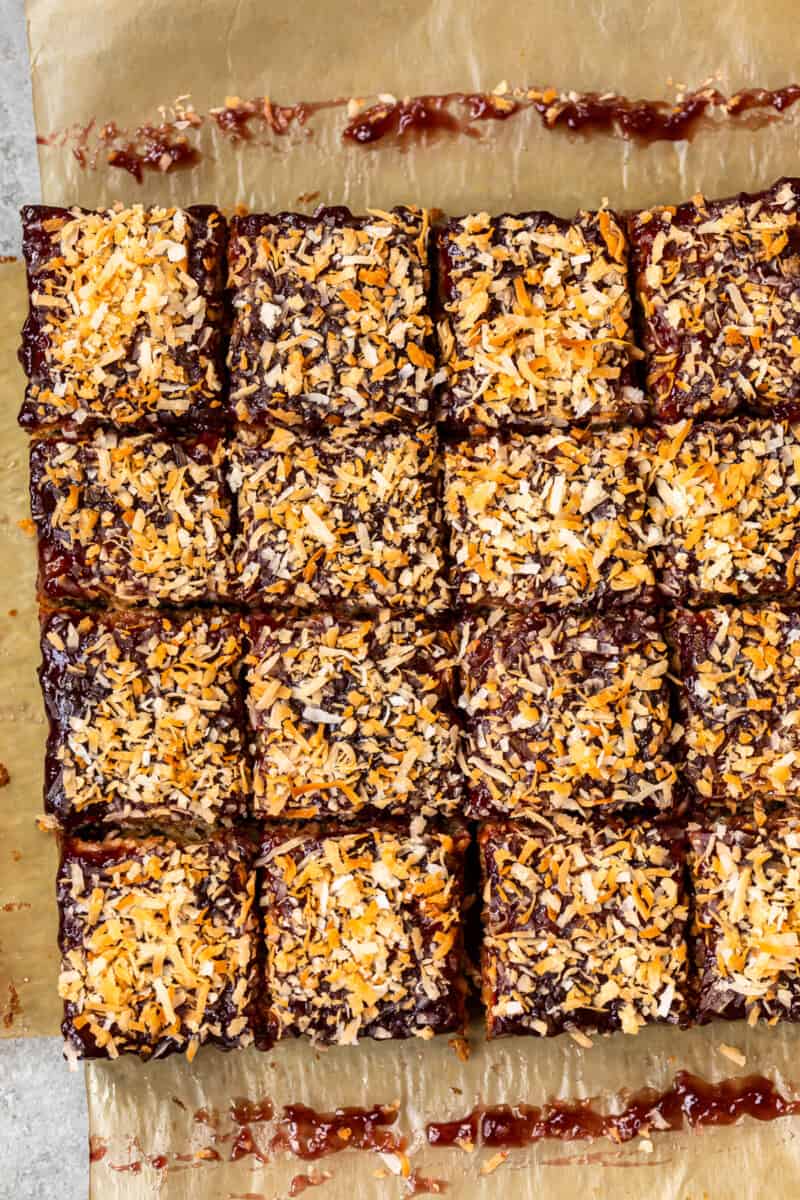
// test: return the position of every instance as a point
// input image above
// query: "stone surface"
(19, 169)
(44, 1148)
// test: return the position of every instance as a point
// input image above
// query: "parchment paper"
(121, 62)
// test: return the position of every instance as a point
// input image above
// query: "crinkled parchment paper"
(121, 62)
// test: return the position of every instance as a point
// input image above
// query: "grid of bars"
(354, 531)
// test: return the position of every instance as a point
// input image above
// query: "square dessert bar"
(746, 881)
(552, 519)
(126, 314)
(146, 718)
(131, 520)
(725, 510)
(719, 285)
(331, 318)
(584, 928)
(536, 325)
(352, 717)
(363, 933)
(158, 945)
(345, 519)
(739, 673)
(565, 712)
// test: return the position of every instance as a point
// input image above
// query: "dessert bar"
(584, 928)
(131, 520)
(146, 718)
(331, 319)
(363, 933)
(158, 945)
(536, 326)
(552, 519)
(565, 712)
(125, 323)
(718, 282)
(352, 717)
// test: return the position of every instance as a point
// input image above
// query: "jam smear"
(97, 1148)
(246, 1112)
(154, 148)
(309, 1134)
(690, 1102)
(301, 1183)
(422, 1185)
(236, 117)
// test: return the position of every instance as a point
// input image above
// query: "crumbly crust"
(363, 933)
(131, 520)
(352, 717)
(584, 927)
(536, 325)
(747, 919)
(719, 286)
(126, 317)
(724, 510)
(331, 319)
(565, 712)
(739, 676)
(158, 945)
(146, 718)
(342, 520)
(554, 519)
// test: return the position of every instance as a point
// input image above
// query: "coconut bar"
(719, 286)
(363, 934)
(553, 519)
(338, 520)
(536, 326)
(131, 519)
(565, 712)
(331, 319)
(353, 717)
(739, 673)
(158, 944)
(746, 882)
(125, 322)
(725, 510)
(584, 928)
(146, 718)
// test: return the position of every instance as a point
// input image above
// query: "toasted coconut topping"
(564, 712)
(584, 927)
(131, 519)
(550, 519)
(363, 934)
(146, 720)
(719, 284)
(725, 509)
(747, 919)
(157, 944)
(536, 326)
(352, 520)
(331, 317)
(739, 672)
(353, 715)
(126, 316)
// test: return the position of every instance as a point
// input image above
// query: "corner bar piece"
(353, 717)
(746, 881)
(536, 326)
(565, 713)
(724, 510)
(584, 928)
(719, 285)
(126, 318)
(739, 692)
(345, 520)
(363, 933)
(158, 945)
(331, 320)
(146, 718)
(131, 520)
(552, 519)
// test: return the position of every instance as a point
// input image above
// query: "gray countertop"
(43, 1134)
